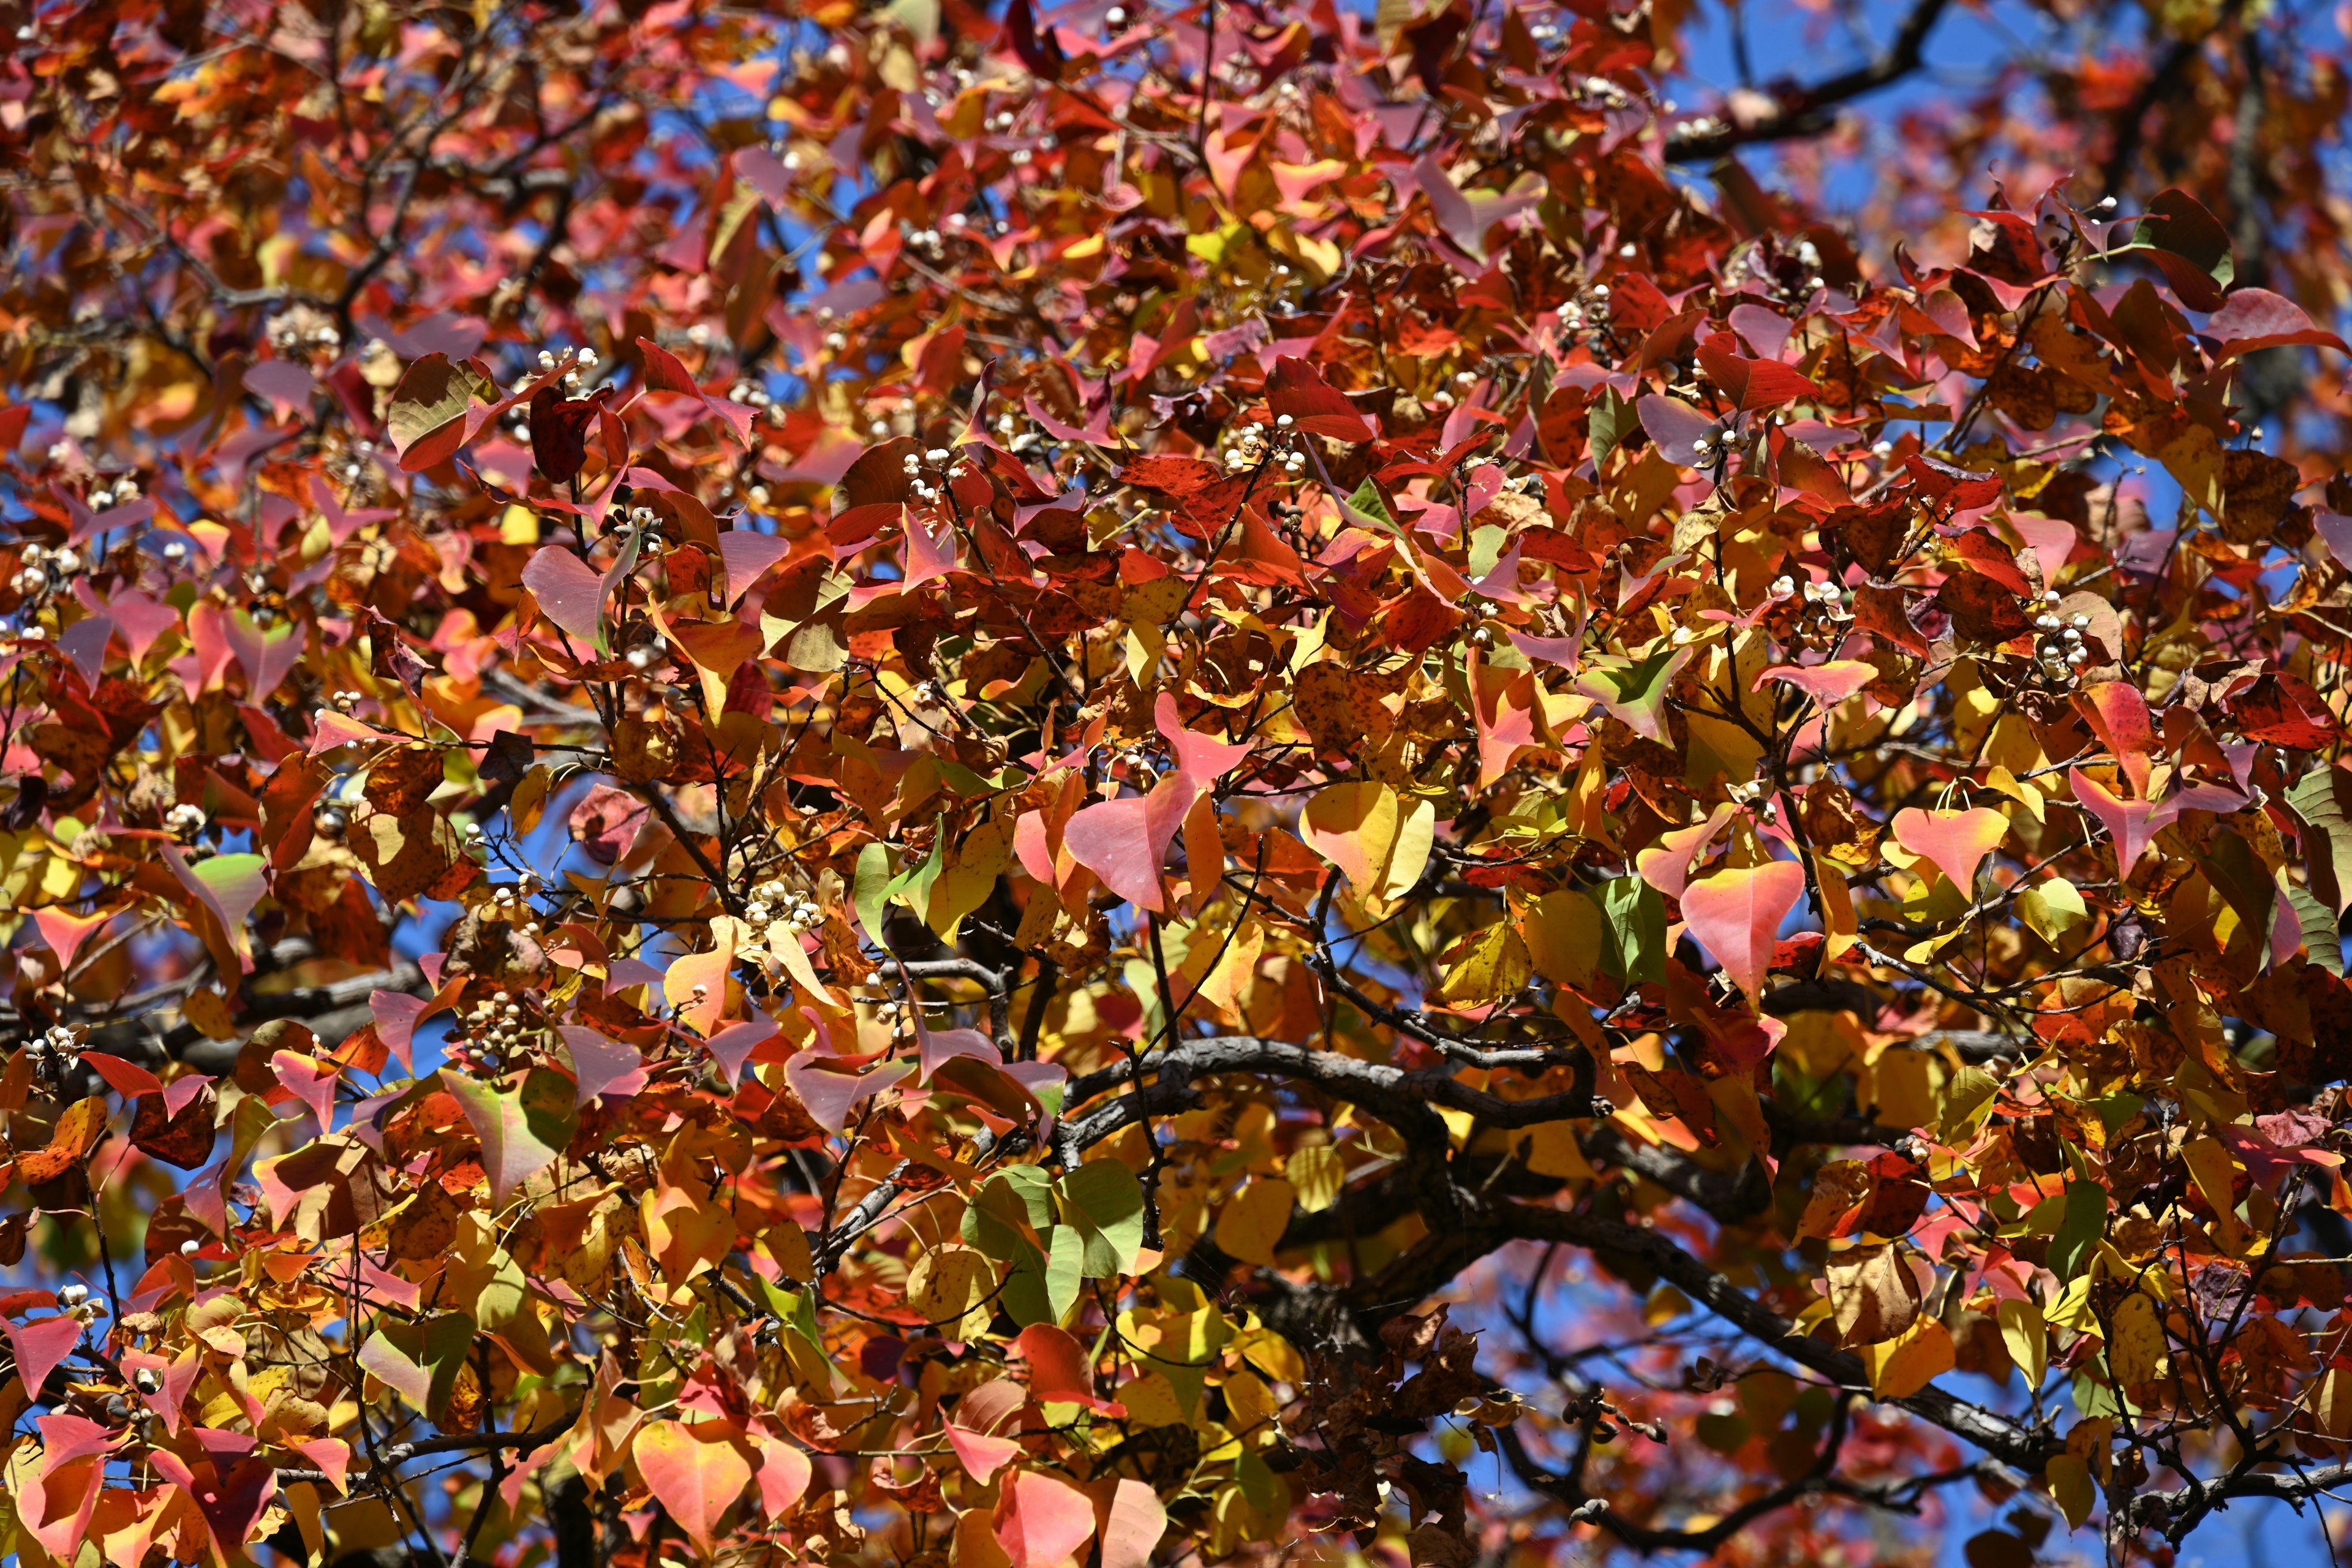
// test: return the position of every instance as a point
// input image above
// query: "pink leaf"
(601, 1065)
(1132, 1525)
(2252, 319)
(330, 729)
(1666, 865)
(732, 1046)
(39, 1347)
(784, 1474)
(65, 933)
(1041, 1522)
(929, 555)
(1737, 915)
(2132, 823)
(1827, 684)
(310, 1081)
(1125, 842)
(569, 592)
(1201, 758)
(396, 1017)
(331, 1455)
(1957, 841)
(829, 1097)
(981, 1456)
(938, 1047)
(746, 555)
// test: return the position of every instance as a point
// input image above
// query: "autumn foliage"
(1084, 788)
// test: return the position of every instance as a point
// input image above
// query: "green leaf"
(2322, 801)
(1634, 692)
(1065, 1270)
(521, 1131)
(1103, 1199)
(431, 393)
(1606, 425)
(871, 893)
(420, 1360)
(1634, 950)
(2321, 935)
(1366, 508)
(2083, 1222)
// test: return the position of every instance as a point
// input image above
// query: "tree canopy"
(1106, 786)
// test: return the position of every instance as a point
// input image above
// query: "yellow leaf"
(1271, 1355)
(2137, 1352)
(2028, 1338)
(1565, 932)
(1317, 1174)
(2071, 1488)
(1227, 986)
(1377, 841)
(1906, 1365)
(2210, 1167)
(950, 1286)
(1552, 1150)
(1907, 1089)
(2054, 909)
(1484, 967)
(1839, 928)
(1250, 1224)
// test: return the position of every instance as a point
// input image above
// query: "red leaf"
(1059, 1370)
(1939, 481)
(663, 373)
(1737, 915)
(698, 1472)
(1041, 1522)
(1753, 384)
(559, 431)
(1318, 408)
(1169, 474)
(2119, 713)
(128, 1080)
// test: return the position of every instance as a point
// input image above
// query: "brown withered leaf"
(399, 780)
(1874, 1293)
(412, 856)
(2256, 491)
(185, 1140)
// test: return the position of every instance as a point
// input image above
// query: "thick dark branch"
(1810, 111)
(1997, 1434)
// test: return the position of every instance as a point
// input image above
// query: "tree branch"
(1806, 111)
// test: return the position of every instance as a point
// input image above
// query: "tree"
(997, 791)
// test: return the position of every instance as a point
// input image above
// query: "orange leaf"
(1737, 915)
(697, 1472)
(1957, 841)
(1041, 1522)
